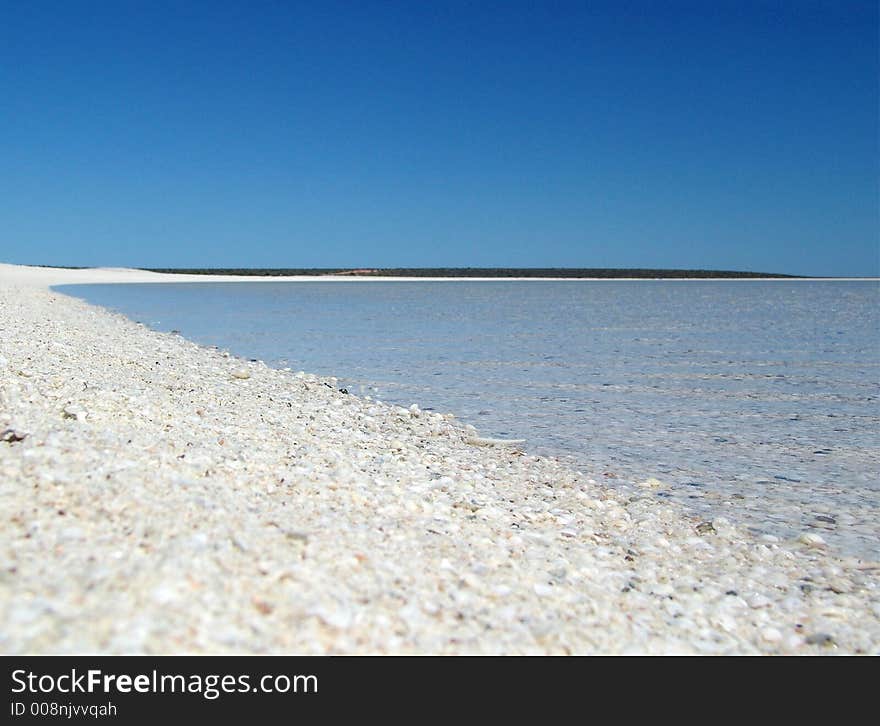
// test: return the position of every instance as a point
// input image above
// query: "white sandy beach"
(161, 497)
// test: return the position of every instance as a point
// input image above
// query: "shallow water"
(754, 400)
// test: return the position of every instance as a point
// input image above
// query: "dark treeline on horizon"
(563, 272)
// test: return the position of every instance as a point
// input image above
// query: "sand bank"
(157, 496)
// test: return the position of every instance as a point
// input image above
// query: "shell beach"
(161, 497)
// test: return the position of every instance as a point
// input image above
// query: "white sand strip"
(23, 275)
(156, 496)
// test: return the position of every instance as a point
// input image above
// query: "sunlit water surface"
(753, 400)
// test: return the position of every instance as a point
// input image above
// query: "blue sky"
(733, 135)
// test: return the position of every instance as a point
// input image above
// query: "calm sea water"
(754, 400)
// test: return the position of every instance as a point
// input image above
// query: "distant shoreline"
(51, 275)
(555, 273)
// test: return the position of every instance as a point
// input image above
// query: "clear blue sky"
(707, 134)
